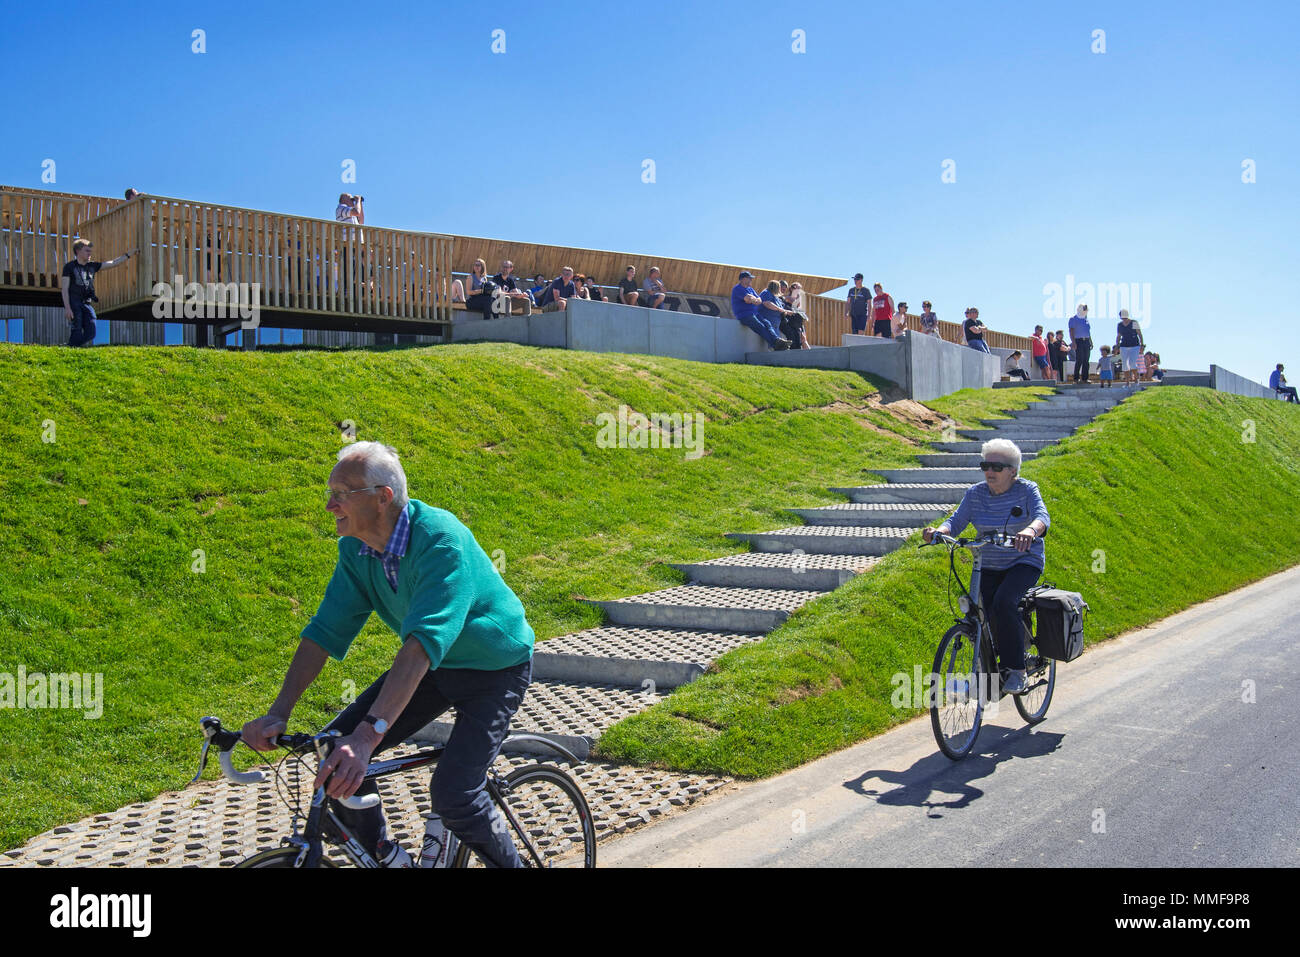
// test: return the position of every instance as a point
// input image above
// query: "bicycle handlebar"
(1003, 540)
(225, 741)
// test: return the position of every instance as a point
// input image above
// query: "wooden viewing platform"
(319, 273)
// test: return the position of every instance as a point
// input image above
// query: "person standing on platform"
(1038, 345)
(858, 306)
(929, 321)
(882, 313)
(1081, 336)
(78, 288)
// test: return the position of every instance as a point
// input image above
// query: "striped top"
(992, 513)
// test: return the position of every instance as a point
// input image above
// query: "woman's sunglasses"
(995, 466)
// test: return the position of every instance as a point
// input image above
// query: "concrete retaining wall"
(1225, 381)
(612, 327)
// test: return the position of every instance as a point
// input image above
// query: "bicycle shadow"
(935, 774)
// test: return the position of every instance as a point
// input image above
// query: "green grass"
(178, 450)
(1155, 506)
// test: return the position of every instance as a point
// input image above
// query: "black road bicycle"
(548, 817)
(966, 674)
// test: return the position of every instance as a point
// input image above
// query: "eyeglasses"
(332, 494)
(995, 466)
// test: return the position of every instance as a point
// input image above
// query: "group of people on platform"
(1129, 356)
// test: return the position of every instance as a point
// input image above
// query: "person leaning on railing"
(78, 287)
(1004, 502)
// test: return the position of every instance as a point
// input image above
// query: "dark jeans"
(1289, 392)
(1000, 592)
(791, 327)
(83, 324)
(979, 345)
(1082, 355)
(485, 701)
(1018, 374)
(763, 327)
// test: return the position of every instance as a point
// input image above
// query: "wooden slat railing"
(299, 264)
(36, 232)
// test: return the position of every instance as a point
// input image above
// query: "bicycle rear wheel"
(548, 820)
(956, 694)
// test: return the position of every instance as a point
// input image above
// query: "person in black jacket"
(508, 282)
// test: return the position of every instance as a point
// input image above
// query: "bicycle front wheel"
(956, 698)
(279, 857)
(548, 820)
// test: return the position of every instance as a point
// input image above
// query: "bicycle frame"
(974, 614)
(323, 824)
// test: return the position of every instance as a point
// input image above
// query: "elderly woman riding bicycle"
(1002, 503)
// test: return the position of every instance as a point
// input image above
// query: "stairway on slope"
(654, 642)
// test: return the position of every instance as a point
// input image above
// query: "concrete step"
(828, 539)
(789, 570)
(944, 476)
(572, 715)
(1015, 433)
(1026, 445)
(1064, 407)
(707, 607)
(1087, 412)
(880, 514)
(935, 460)
(922, 492)
(1070, 422)
(616, 655)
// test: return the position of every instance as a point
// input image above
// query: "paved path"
(1147, 733)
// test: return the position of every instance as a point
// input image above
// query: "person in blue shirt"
(1081, 334)
(465, 643)
(1277, 382)
(746, 306)
(991, 506)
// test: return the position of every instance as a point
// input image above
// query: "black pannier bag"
(1059, 615)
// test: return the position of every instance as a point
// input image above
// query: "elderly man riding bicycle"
(1001, 503)
(466, 644)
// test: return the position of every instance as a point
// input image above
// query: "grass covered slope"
(164, 522)
(1176, 496)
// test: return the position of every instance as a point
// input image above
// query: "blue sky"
(1115, 167)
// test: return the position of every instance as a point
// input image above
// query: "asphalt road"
(1175, 745)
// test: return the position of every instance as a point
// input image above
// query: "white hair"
(379, 466)
(1005, 450)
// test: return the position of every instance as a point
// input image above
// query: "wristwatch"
(380, 724)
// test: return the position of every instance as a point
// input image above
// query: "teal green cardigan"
(449, 598)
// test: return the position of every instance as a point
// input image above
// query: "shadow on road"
(937, 775)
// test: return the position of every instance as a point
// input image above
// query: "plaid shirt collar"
(394, 550)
